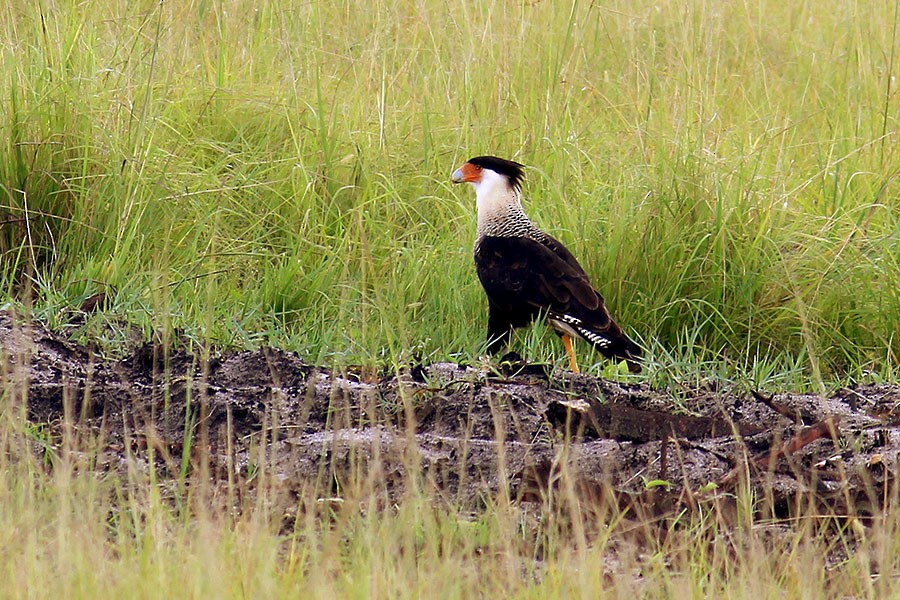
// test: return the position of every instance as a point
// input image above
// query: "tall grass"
(267, 172)
(277, 173)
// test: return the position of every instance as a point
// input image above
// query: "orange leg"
(567, 342)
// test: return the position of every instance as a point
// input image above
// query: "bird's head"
(488, 172)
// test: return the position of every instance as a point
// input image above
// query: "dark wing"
(505, 273)
(524, 278)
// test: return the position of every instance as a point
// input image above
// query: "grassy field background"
(277, 173)
(270, 173)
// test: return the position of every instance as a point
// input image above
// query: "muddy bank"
(471, 431)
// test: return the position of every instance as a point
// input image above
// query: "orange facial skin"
(471, 173)
(468, 173)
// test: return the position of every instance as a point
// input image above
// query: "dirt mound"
(472, 432)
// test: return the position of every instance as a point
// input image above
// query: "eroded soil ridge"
(471, 431)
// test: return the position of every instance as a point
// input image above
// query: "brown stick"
(770, 402)
(826, 427)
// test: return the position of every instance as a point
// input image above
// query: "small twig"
(664, 459)
(781, 410)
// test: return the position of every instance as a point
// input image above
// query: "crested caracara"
(527, 273)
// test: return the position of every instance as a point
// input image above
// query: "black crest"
(514, 171)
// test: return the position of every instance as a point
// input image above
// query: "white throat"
(500, 211)
(494, 197)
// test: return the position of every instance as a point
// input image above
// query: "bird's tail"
(630, 353)
(605, 335)
(613, 343)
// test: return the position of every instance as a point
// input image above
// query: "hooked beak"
(457, 176)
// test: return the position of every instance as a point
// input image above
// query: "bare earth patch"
(473, 433)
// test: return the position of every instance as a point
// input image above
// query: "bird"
(528, 274)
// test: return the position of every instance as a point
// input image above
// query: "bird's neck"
(500, 213)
